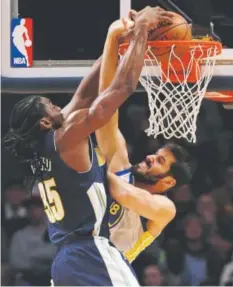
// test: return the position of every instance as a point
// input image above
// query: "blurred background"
(196, 248)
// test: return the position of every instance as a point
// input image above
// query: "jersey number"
(51, 200)
(114, 209)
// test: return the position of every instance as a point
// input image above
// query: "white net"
(174, 106)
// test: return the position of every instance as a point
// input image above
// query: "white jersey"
(126, 229)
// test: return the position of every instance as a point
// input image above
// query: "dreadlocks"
(24, 136)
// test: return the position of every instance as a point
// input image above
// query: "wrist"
(141, 27)
(141, 30)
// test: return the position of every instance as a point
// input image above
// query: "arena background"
(196, 248)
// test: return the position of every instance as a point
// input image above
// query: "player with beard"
(157, 173)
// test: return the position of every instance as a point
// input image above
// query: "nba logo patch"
(21, 42)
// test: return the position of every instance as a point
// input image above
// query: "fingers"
(165, 19)
(127, 23)
(132, 14)
(159, 9)
(152, 15)
(168, 14)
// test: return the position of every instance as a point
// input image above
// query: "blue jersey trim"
(122, 172)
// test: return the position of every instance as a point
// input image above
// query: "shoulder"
(75, 130)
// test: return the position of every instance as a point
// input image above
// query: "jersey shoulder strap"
(126, 175)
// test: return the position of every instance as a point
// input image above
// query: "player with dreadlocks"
(58, 148)
(25, 139)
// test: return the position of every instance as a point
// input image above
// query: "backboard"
(59, 70)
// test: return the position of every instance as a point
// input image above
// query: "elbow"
(168, 210)
(165, 211)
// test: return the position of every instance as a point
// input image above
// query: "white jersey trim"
(119, 272)
(98, 199)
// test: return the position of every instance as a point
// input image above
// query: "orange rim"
(221, 97)
(205, 45)
(178, 55)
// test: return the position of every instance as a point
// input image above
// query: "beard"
(143, 177)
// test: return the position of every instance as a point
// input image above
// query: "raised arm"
(82, 123)
(109, 137)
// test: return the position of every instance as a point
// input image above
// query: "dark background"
(76, 29)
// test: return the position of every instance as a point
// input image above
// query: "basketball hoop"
(224, 97)
(221, 97)
(176, 75)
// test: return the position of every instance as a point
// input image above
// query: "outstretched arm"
(109, 137)
(82, 123)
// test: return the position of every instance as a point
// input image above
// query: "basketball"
(179, 30)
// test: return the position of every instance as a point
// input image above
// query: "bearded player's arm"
(109, 137)
(158, 209)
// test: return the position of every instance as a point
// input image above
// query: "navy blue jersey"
(76, 203)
